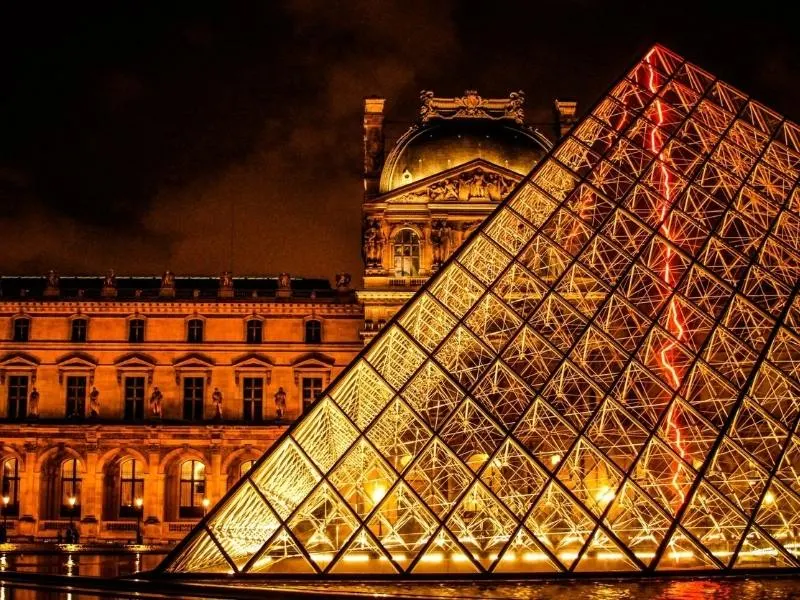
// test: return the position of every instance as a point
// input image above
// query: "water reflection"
(106, 566)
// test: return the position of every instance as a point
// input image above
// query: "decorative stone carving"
(94, 402)
(343, 281)
(167, 284)
(373, 243)
(33, 404)
(440, 241)
(471, 106)
(280, 403)
(109, 284)
(217, 399)
(475, 185)
(156, 397)
(284, 285)
(226, 285)
(51, 289)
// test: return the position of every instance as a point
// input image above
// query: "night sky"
(133, 135)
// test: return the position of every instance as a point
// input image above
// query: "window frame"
(131, 337)
(79, 410)
(136, 484)
(76, 334)
(192, 325)
(75, 482)
(193, 405)
(253, 407)
(414, 247)
(195, 508)
(9, 486)
(14, 330)
(309, 325)
(19, 404)
(257, 330)
(133, 408)
(303, 404)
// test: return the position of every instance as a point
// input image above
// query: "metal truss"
(605, 377)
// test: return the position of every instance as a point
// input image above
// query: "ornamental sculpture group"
(470, 186)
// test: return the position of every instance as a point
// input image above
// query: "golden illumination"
(605, 377)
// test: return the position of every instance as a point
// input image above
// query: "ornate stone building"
(440, 179)
(119, 388)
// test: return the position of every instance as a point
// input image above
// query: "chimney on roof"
(373, 144)
(566, 116)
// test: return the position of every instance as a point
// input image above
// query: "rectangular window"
(22, 329)
(78, 330)
(17, 396)
(253, 398)
(194, 334)
(312, 388)
(134, 398)
(193, 398)
(76, 396)
(136, 331)
(313, 332)
(254, 331)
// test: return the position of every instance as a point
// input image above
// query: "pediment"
(253, 360)
(19, 360)
(77, 360)
(313, 360)
(136, 360)
(476, 181)
(193, 359)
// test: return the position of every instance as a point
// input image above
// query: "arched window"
(131, 487)
(22, 329)
(254, 331)
(192, 489)
(313, 331)
(70, 488)
(194, 331)
(10, 486)
(406, 254)
(78, 330)
(245, 467)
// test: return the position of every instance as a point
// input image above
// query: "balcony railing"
(119, 525)
(407, 282)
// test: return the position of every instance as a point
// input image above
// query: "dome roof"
(443, 144)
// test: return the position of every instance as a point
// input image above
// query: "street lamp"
(6, 500)
(139, 503)
(72, 500)
(206, 502)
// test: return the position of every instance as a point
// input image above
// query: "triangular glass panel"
(325, 434)
(281, 555)
(432, 394)
(361, 393)
(503, 393)
(681, 554)
(471, 434)
(514, 478)
(201, 555)
(363, 555)
(525, 555)
(779, 517)
(444, 555)
(603, 554)
(362, 478)
(759, 552)
(439, 477)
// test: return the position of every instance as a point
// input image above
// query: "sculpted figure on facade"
(156, 398)
(373, 243)
(110, 280)
(343, 281)
(284, 281)
(513, 109)
(52, 279)
(33, 404)
(167, 281)
(440, 241)
(94, 402)
(280, 403)
(226, 281)
(216, 399)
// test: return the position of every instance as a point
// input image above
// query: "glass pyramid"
(605, 377)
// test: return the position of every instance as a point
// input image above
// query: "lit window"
(10, 486)
(76, 396)
(312, 388)
(134, 398)
(195, 331)
(131, 487)
(245, 467)
(254, 331)
(136, 331)
(70, 488)
(17, 396)
(192, 489)
(79, 327)
(22, 329)
(406, 254)
(253, 392)
(313, 332)
(193, 398)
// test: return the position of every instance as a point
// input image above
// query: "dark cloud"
(140, 136)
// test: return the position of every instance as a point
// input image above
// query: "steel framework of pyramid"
(605, 377)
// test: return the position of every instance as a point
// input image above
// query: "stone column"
(91, 499)
(373, 145)
(29, 494)
(153, 517)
